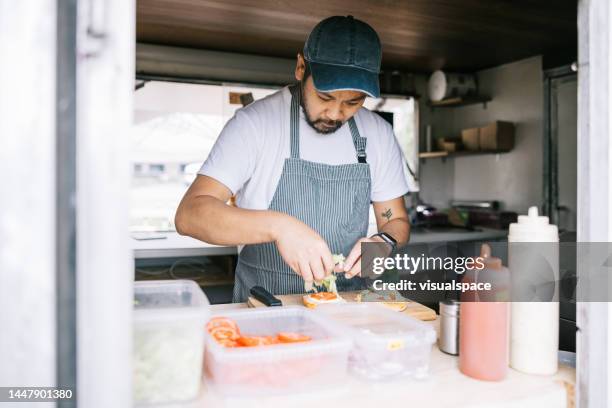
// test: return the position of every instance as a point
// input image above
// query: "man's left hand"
(352, 264)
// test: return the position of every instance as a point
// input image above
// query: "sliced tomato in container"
(288, 337)
(221, 322)
(224, 333)
(228, 343)
(271, 340)
(253, 341)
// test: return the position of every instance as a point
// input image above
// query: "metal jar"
(448, 341)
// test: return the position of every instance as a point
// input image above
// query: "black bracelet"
(387, 238)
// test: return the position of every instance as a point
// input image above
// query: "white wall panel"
(27, 193)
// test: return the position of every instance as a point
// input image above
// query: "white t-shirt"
(249, 154)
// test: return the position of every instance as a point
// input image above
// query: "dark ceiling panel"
(418, 35)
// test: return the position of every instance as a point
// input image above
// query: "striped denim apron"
(333, 200)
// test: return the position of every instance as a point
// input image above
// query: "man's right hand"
(203, 214)
(303, 249)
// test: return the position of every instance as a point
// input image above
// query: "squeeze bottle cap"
(533, 218)
(533, 228)
(490, 262)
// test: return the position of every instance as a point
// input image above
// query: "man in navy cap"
(304, 164)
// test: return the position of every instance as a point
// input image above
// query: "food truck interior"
(500, 108)
(197, 61)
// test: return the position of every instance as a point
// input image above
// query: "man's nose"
(334, 112)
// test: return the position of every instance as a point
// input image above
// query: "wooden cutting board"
(413, 309)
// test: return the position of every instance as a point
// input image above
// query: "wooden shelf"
(461, 153)
(431, 155)
(460, 101)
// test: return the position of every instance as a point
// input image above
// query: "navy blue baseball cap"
(344, 54)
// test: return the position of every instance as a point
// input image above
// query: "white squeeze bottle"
(533, 261)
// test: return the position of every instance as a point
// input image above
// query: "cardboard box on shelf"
(470, 139)
(449, 144)
(497, 136)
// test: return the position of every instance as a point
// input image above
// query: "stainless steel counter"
(173, 245)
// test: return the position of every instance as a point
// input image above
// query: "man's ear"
(300, 67)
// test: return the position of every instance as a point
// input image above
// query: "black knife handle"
(265, 297)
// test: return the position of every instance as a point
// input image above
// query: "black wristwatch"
(387, 238)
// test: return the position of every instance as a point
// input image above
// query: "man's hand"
(391, 217)
(303, 249)
(352, 264)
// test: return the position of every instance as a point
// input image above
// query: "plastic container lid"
(163, 300)
(272, 320)
(374, 324)
(533, 228)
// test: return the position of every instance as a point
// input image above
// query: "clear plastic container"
(279, 368)
(169, 319)
(386, 344)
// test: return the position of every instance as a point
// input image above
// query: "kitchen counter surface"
(429, 235)
(171, 244)
(445, 387)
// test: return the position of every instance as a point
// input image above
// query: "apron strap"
(294, 124)
(294, 121)
(358, 141)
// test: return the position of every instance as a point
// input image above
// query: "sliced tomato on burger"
(324, 296)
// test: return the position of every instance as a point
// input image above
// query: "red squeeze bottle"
(484, 323)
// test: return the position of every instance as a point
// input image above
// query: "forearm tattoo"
(387, 214)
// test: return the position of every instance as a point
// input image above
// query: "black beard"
(334, 124)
